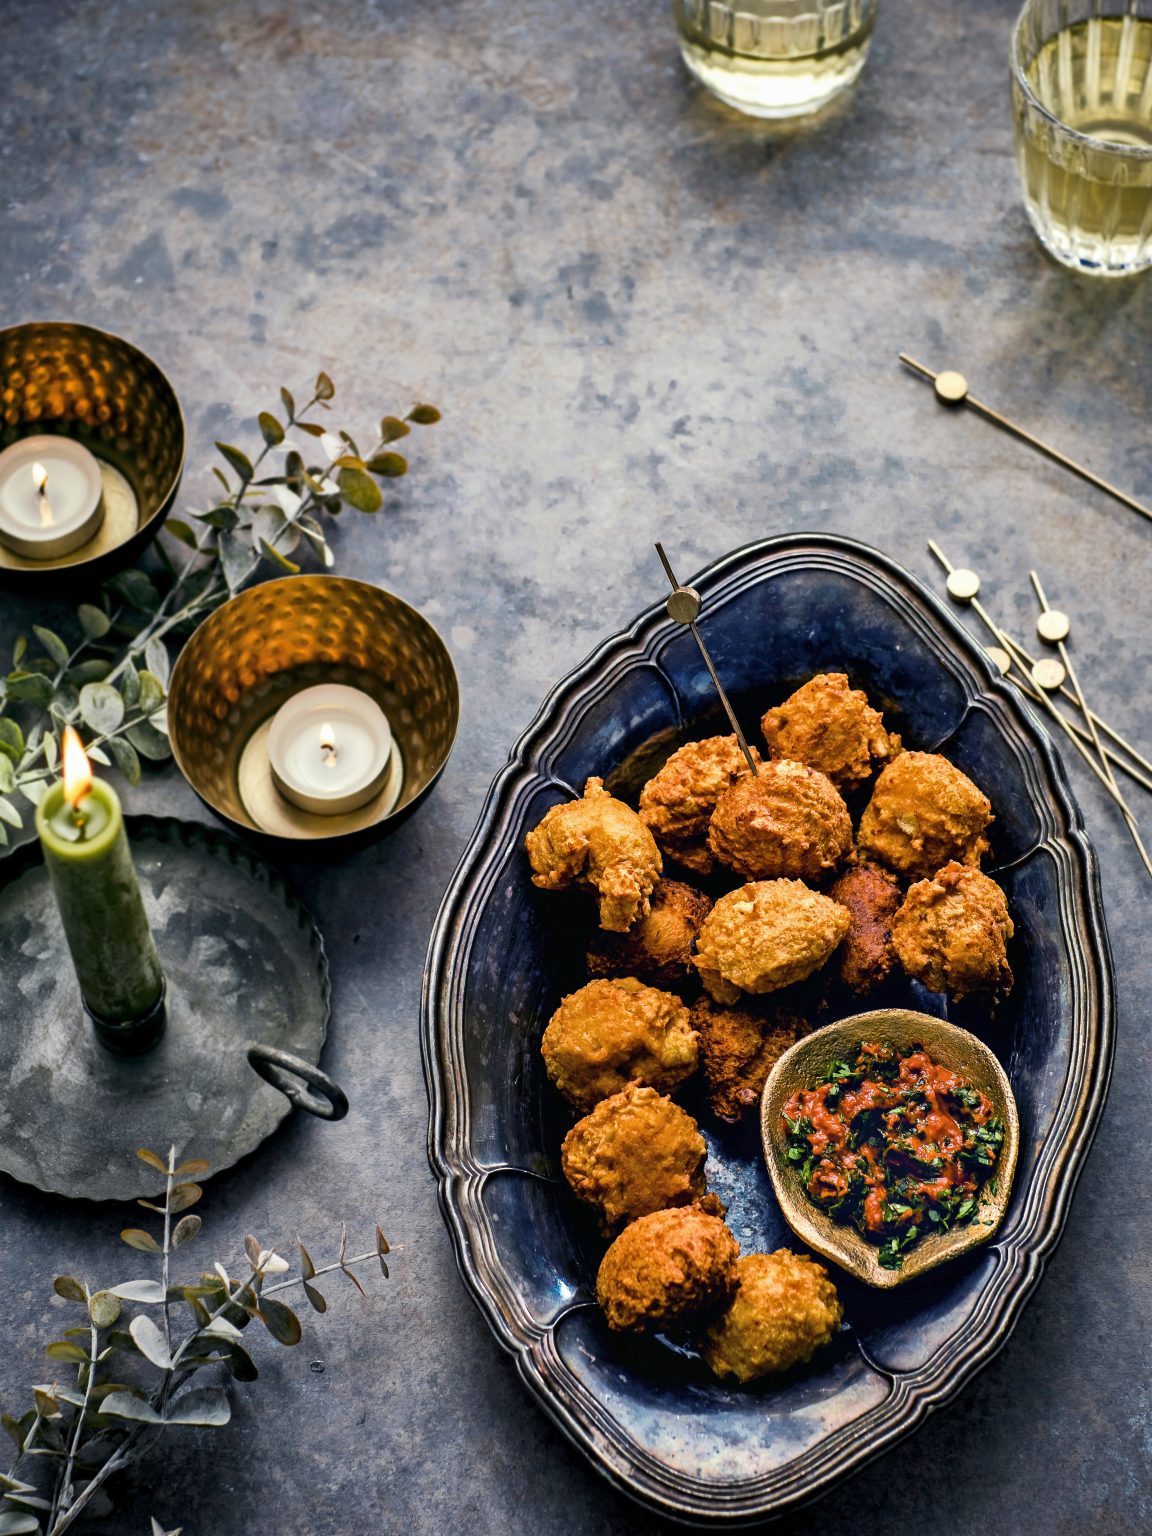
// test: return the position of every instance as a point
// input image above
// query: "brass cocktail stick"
(952, 389)
(960, 586)
(683, 605)
(1053, 626)
(965, 590)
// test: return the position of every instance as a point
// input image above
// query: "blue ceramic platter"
(502, 953)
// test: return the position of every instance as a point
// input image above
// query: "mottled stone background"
(641, 316)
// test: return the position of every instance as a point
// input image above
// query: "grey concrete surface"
(641, 316)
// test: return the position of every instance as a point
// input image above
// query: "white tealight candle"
(51, 497)
(330, 749)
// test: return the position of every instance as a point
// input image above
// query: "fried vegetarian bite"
(766, 935)
(739, 1046)
(832, 727)
(637, 1152)
(658, 948)
(924, 812)
(665, 1269)
(871, 896)
(612, 1033)
(599, 844)
(952, 932)
(785, 822)
(677, 804)
(784, 1310)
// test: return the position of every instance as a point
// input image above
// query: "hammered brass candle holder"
(271, 641)
(78, 382)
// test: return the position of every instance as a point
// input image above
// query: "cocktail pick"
(965, 588)
(952, 389)
(963, 585)
(1054, 626)
(683, 605)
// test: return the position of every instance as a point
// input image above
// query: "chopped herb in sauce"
(894, 1145)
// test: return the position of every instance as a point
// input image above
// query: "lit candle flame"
(328, 745)
(40, 480)
(77, 769)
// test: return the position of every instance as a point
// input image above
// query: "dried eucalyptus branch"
(80, 1438)
(113, 676)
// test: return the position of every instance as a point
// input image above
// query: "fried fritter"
(677, 803)
(637, 1152)
(871, 895)
(665, 1269)
(599, 844)
(952, 933)
(612, 1033)
(923, 812)
(766, 935)
(738, 1048)
(786, 822)
(784, 1310)
(830, 726)
(658, 948)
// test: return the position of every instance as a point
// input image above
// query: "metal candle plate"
(246, 970)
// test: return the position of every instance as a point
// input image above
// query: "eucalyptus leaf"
(19, 650)
(203, 1405)
(218, 517)
(149, 742)
(150, 1341)
(237, 560)
(270, 429)
(180, 530)
(65, 1351)
(158, 660)
(390, 465)
(153, 1160)
(151, 692)
(193, 1168)
(104, 1309)
(29, 688)
(130, 686)
(93, 621)
(184, 1195)
(288, 402)
(315, 1298)
(237, 460)
(135, 1237)
(93, 670)
(239, 1362)
(65, 701)
(70, 1289)
(282, 561)
(136, 589)
(51, 752)
(325, 389)
(392, 428)
(7, 775)
(101, 707)
(53, 644)
(98, 755)
(360, 490)
(127, 1405)
(13, 1523)
(11, 738)
(8, 811)
(185, 1230)
(280, 1321)
(147, 1291)
(424, 415)
(125, 757)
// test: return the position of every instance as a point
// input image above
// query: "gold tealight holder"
(270, 643)
(62, 380)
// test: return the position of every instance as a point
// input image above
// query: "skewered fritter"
(832, 727)
(785, 822)
(599, 844)
(677, 803)
(612, 1033)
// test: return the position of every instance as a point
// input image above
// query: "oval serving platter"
(647, 1413)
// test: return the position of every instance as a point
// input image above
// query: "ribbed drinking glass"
(1082, 103)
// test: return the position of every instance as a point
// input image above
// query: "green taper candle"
(81, 830)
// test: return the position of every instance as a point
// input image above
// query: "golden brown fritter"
(599, 844)
(923, 812)
(666, 1269)
(738, 1048)
(766, 935)
(784, 1310)
(677, 804)
(830, 726)
(658, 948)
(952, 932)
(612, 1033)
(871, 895)
(637, 1152)
(786, 822)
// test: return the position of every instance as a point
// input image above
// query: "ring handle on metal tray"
(281, 1068)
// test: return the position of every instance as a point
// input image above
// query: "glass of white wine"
(775, 58)
(1082, 105)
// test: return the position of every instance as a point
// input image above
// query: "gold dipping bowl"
(273, 640)
(99, 390)
(808, 1060)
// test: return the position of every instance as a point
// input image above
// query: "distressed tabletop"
(642, 317)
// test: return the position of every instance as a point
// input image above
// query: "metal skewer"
(1053, 626)
(960, 586)
(683, 605)
(952, 389)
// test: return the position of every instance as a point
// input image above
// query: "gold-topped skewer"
(683, 604)
(1054, 626)
(1033, 669)
(952, 390)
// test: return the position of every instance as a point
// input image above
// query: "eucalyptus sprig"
(72, 1439)
(111, 675)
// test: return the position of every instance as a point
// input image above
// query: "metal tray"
(648, 1414)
